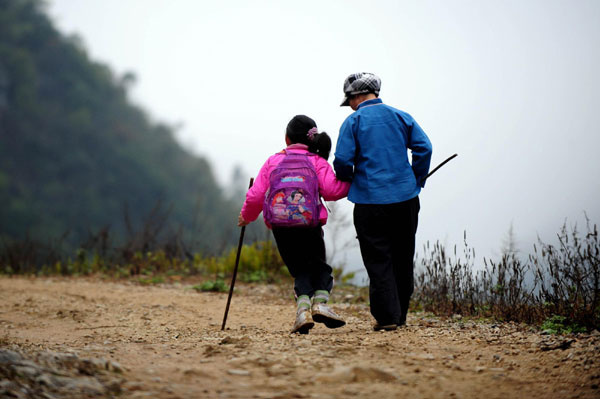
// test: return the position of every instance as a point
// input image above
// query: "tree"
(74, 152)
(509, 243)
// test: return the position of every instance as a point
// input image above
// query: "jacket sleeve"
(421, 149)
(345, 151)
(330, 188)
(255, 196)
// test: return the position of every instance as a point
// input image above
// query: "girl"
(302, 248)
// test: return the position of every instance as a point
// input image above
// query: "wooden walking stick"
(439, 166)
(235, 269)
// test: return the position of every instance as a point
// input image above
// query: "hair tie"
(311, 133)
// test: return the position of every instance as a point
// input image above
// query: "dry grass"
(557, 282)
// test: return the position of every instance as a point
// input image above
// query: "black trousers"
(303, 252)
(386, 234)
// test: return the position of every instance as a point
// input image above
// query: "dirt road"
(165, 342)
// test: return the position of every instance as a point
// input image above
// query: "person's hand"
(242, 221)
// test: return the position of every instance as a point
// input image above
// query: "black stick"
(439, 166)
(235, 269)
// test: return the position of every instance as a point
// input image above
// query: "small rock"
(196, 373)
(9, 357)
(45, 379)
(456, 366)
(134, 386)
(27, 371)
(228, 340)
(238, 372)
(113, 366)
(559, 344)
(86, 385)
(8, 386)
(114, 387)
(278, 369)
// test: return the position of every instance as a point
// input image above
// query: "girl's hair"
(302, 129)
(321, 145)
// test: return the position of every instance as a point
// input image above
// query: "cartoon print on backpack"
(278, 205)
(295, 208)
(291, 209)
(292, 199)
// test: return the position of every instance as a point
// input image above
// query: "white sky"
(511, 86)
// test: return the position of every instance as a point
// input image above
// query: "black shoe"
(385, 327)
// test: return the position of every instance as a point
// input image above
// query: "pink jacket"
(330, 188)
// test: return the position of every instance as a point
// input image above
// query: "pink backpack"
(292, 199)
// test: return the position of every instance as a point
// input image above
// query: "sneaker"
(304, 322)
(385, 327)
(321, 313)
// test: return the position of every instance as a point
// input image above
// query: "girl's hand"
(242, 221)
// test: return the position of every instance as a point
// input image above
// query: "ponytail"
(320, 145)
(302, 129)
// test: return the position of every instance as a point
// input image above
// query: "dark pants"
(386, 234)
(303, 252)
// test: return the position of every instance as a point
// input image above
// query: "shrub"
(217, 285)
(559, 325)
(557, 287)
(568, 276)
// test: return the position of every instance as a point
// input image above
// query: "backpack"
(292, 199)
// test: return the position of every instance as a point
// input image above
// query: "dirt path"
(168, 341)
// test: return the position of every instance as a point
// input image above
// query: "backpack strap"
(308, 153)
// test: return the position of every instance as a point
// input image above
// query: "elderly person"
(371, 152)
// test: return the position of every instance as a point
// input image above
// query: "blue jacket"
(372, 152)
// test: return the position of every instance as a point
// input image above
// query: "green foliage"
(259, 262)
(78, 157)
(217, 285)
(153, 280)
(557, 324)
(256, 276)
(341, 277)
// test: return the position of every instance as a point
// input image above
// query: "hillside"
(77, 157)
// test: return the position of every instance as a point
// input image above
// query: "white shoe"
(304, 322)
(321, 313)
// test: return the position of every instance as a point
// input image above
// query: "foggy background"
(511, 86)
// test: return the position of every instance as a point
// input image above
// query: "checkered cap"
(359, 83)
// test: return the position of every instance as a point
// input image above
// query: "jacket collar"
(297, 146)
(373, 101)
